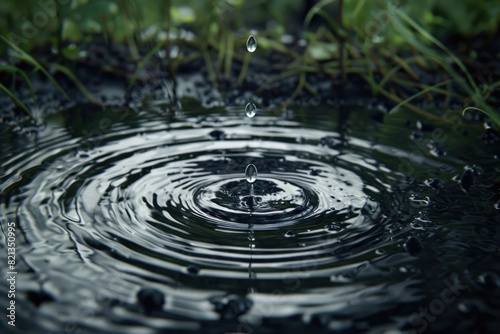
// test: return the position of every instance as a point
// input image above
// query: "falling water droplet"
(251, 44)
(251, 173)
(250, 110)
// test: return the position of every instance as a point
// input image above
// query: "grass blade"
(16, 100)
(422, 92)
(75, 80)
(30, 60)
(495, 116)
(13, 69)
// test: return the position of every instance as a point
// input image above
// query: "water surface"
(137, 221)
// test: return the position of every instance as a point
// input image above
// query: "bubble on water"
(250, 110)
(251, 44)
(251, 173)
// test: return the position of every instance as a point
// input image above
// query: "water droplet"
(251, 173)
(289, 234)
(250, 110)
(251, 44)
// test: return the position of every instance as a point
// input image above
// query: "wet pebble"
(39, 297)
(490, 136)
(217, 134)
(328, 141)
(489, 280)
(151, 300)
(314, 172)
(467, 180)
(434, 183)
(413, 246)
(193, 270)
(436, 149)
(231, 307)
(301, 140)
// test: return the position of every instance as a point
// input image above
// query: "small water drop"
(251, 44)
(251, 173)
(250, 110)
(289, 234)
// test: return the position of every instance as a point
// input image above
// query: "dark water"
(141, 222)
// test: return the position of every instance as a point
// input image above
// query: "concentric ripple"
(167, 205)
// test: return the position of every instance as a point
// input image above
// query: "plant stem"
(341, 43)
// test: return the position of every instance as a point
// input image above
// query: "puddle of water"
(147, 220)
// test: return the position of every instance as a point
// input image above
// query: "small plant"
(386, 43)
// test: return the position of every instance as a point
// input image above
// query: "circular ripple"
(170, 204)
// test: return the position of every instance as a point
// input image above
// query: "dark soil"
(106, 71)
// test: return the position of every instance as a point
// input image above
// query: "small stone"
(231, 307)
(39, 297)
(151, 300)
(467, 180)
(217, 134)
(413, 246)
(193, 270)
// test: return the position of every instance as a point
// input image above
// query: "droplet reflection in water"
(250, 110)
(251, 173)
(251, 44)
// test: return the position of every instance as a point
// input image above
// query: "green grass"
(339, 41)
